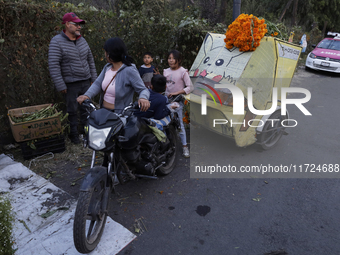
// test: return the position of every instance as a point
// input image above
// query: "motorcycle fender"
(95, 175)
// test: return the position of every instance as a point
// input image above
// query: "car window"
(330, 44)
(335, 45)
(324, 44)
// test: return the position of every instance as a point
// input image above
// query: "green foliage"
(313, 37)
(253, 7)
(26, 28)
(278, 30)
(6, 226)
(298, 33)
(324, 13)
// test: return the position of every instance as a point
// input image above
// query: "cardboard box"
(34, 129)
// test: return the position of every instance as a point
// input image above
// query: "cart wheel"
(272, 131)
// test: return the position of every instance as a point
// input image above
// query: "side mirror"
(313, 45)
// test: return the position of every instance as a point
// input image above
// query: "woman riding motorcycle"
(118, 80)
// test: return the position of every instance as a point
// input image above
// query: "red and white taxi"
(326, 55)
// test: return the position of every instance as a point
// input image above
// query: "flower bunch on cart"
(245, 33)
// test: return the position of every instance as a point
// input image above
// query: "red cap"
(72, 17)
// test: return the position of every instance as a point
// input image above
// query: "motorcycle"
(131, 151)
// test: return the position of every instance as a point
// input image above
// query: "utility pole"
(236, 9)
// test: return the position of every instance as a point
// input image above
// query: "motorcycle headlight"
(97, 137)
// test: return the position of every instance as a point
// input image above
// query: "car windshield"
(330, 44)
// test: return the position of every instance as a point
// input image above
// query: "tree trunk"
(294, 12)
(285, 9)
(208, 9)
(222, 11)
(116, 6)
(324, 28)
(213, 8)
(184, 4)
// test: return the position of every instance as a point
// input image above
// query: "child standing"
(146, 71)
(178, 82)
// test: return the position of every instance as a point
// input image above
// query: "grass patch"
(6, 226)
(302, 59)
(74, 153)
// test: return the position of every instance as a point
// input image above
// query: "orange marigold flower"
(245, 33)
(185, 120)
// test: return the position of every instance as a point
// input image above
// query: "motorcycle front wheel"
(90, 217)
(171, 159)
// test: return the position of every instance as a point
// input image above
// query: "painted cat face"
(216, 62)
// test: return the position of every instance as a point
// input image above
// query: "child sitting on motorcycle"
(158, 102)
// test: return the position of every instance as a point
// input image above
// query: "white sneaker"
(186, 153)
(116, 181)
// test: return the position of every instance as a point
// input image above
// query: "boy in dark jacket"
(147, 70)
(158, 102)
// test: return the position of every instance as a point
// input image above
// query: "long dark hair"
(117, 51)
(177, 55)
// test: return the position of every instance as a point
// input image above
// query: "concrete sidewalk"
(44, 215)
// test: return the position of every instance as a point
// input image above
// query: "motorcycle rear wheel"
(171, 160)
(90, 218)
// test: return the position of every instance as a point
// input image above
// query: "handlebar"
(177, 98)
(133, 106)
(89, 106)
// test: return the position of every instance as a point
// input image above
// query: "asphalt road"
(180, 215)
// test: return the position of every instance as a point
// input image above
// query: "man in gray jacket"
(72, 68)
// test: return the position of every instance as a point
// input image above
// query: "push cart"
(221, 75)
